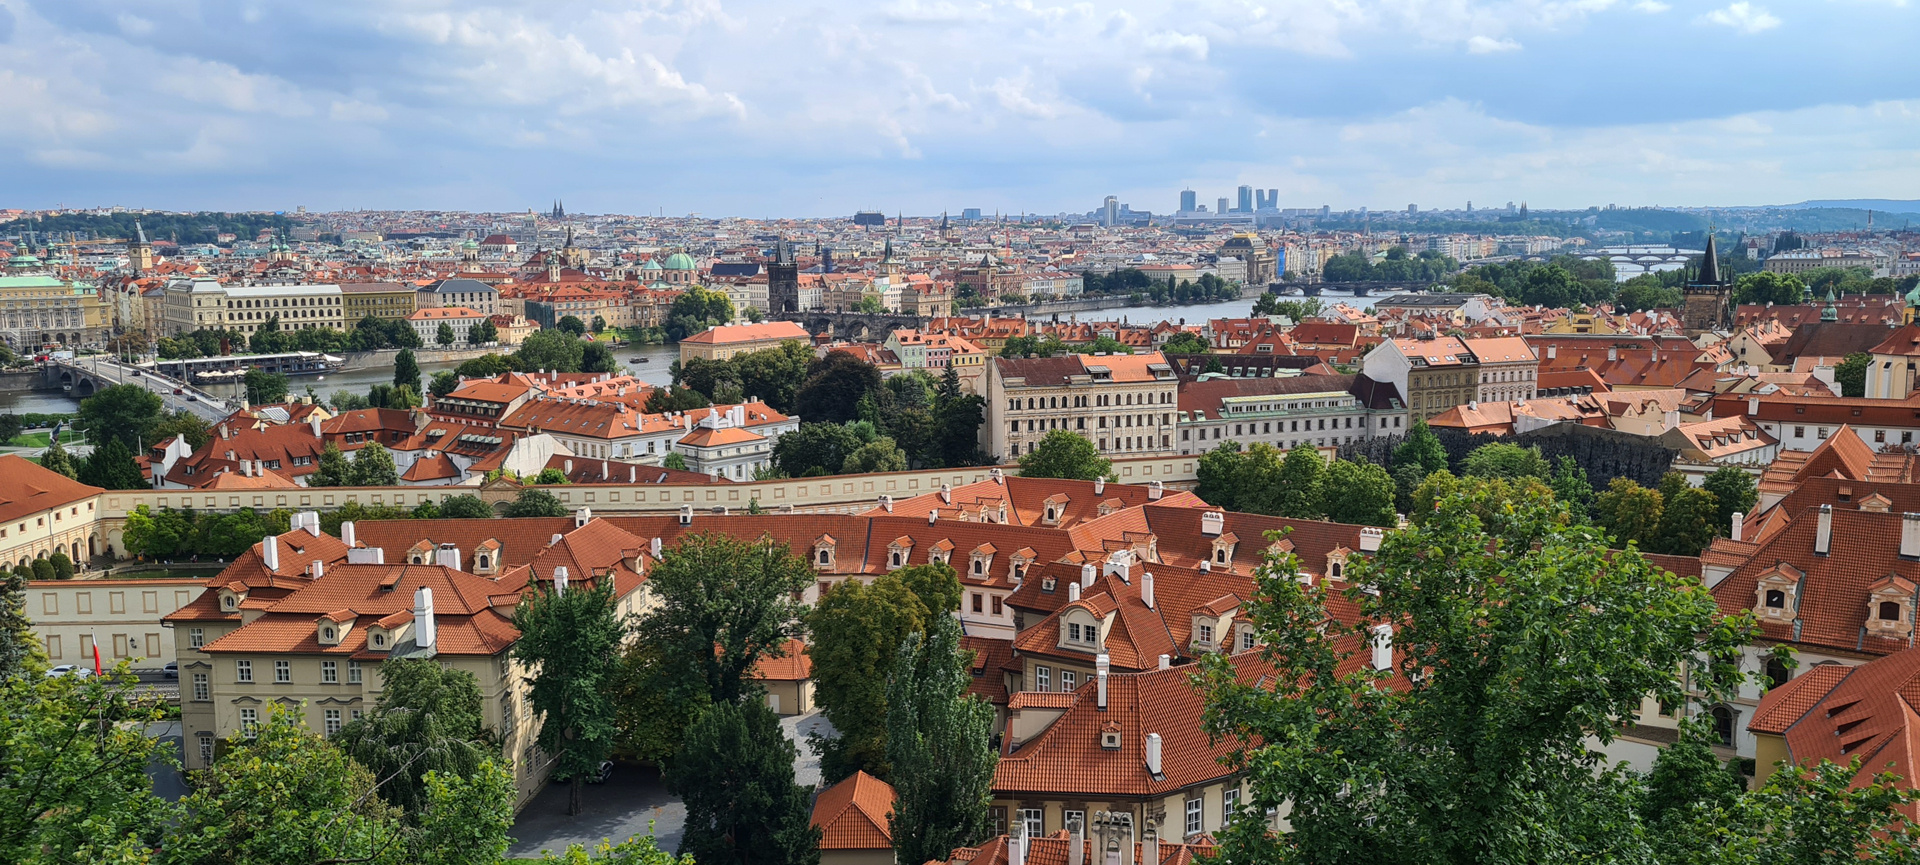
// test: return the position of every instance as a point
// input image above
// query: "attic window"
(229, 602)
(1110, 739)
(379, 640)
(1889, 611)
(326, 633)
(1776, 599)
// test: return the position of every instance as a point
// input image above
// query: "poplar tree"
(940, 742)
(570, 640)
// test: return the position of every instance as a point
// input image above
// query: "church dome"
(680, 261)
(651, 265)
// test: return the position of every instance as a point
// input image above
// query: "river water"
(16, 398)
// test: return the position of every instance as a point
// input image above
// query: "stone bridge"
(83, 377)
(854, 326)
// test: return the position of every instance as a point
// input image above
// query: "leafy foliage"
(111, 467)
(1851, 373)
(724, 604)
(535, 502)
(735, 775)
(940, 745)
(834, 386)
(570, 641)
(1064, 454)
(855, 633)
(125, 411)
(428, 719)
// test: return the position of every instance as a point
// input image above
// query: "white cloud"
(1490, 45)
(1744, 17)
(1651, 7)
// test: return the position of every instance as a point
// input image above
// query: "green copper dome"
(680, 261)
(651, 265)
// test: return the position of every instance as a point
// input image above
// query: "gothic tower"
(783, 279)
(140, 252)
(1709, 297)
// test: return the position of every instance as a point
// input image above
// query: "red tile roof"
(853, 814)
(26, 488)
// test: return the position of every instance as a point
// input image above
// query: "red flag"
(96, 657)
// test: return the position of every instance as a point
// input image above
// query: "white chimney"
(1213, 523)
(555, 539)
(270, 552)
(448, 556)
(686, 515)
(1073, 592)
(1753, 405)
(1383, 646)
(314, 422)
(1206, 566)
(313, 523)
(1910, 536)
(569, 467)
(1146, 589)
(560, 581)
(633, 474)
(654, 547)
(346, 534)
(1077, 844)
(997, 476)
(886, 503)
(1087, 573)
(932, 515)
(1166, 662)
(1099, 486)
(1101, 665)
(318, 569)
(1370, 538)
(946, 493)
(1017, 845)
(1739, 526)
(1154, 491)
(423, 629)
(582, 516)
(1613, 354)
(1823, 533)
(1153, 754)
(1150, 849)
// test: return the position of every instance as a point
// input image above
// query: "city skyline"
(754, 109)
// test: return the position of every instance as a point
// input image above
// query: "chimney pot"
(1146, 589)
(1738, 528)
(1166, 662)
(1823, 532)
(423, 625)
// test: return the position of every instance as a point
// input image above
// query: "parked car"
(598, 776)
(172, 669)
(79, 670)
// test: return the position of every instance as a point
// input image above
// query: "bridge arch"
(84, 388)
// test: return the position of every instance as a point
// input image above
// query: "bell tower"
(139, 252)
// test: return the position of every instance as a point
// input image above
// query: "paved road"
(204, 405)
(635, 795)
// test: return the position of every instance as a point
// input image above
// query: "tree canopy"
(1063, 454)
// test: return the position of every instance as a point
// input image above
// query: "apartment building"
(193, 304)
(43, 309)
(1434, 373)
(386, 300)
(1316, 410)
(1509, 370)
(460, 291)
(1124, 403)
(724, 341)
(426, 323)
(123, 615)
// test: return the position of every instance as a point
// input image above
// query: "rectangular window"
(353, 672)
(1823, 433)
(332, 721)
(330, 672)
(1030, 817)
(249, 719)
(282, 672)
(202, 691)
(998, 605)
(1043, 678)
(978, 602)
(1206, 634)
(354, 714)
(1232, 800)
(1073, 632)
(206, 749)
(1066, 680)
(243, 671)
(1193, 816)
(196, 637)
(1246, 640)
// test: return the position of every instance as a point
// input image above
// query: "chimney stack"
(560, 581)
(1753, 406)
(447, 556)
(582, 516)
(1153, 754)
(1823, 533)
(1738, 528)
(346, 534)
(1101, 666)
(946, 494)
(1150, 848)
(1073, 592)
(1017, 845)
(314, 422)
(1166, 662)
(1383, 646)
(318, 568)
(1087, 573)
(886, 503)
(313, 523)
(423, 617)
(1099, 486)
(1146, 589)
(569, 467)
(1077, 844)
(654, 548)
(270, 552)
(1154, 491)
(686, 515)
(1910, 536)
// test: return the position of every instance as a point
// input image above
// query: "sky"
(770, 108)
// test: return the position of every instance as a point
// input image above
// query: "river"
(1198, 313)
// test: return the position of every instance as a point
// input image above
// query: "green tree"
(1422, 448)
(855, 632)
(1734, 489)
(56, 459)
(1063, 454)
(598, 325)
(551, 350)
(879, 455)
(535, 502)
(1570, 486)
(124, 411)
(20, 651)
(1186, 342)
(676, 461)
(344, 401)
(428, 719)
(571, 640)
(1501, 460)
(487, 365)
(111, 467)
(333, 470)
(724, 605)
(814, 449)
(1767, 287)
(75, 789)
(572, 325)
(483, 332)
(1851, 373)
(1039, 345)
(1298, 491)
(42, 569)
(62, 566)
(444, 335)
(695, 310)
(1359, 493)
(598, 357)
(373, 467)
(265, 387)
(406, 370)
(940, 743)
(465, 507)
(638, 850)
(1509, 642)
(550, 475)
(1629, 512)
(1106, 345)
(1643, 293)
(444, 382)
(735, 775)
(179, 423)
(1688, 522)
(1218, 473)
(10, 427)
(1806, 815)
(834, 386)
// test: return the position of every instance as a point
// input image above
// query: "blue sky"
(798, 108)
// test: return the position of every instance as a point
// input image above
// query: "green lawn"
(42, 439)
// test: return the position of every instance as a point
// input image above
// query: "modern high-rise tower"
(1189, 201)
(1246, 199)
(1110, 212)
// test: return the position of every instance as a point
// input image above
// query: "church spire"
(1710, 264)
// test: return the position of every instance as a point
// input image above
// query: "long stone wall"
(833, 494)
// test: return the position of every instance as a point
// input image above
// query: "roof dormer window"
(981, 564)
(823, 547)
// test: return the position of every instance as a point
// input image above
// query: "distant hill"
(1882, 205)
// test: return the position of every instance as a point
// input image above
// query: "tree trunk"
(577, 784)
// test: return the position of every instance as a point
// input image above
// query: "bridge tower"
(1709, 296)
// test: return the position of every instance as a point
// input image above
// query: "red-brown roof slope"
(26, 488)
(853, 814)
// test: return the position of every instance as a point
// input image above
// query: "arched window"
(1890, 611)
(1723, 724)
(826, 557)
(327, 633)
(1776, 599)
